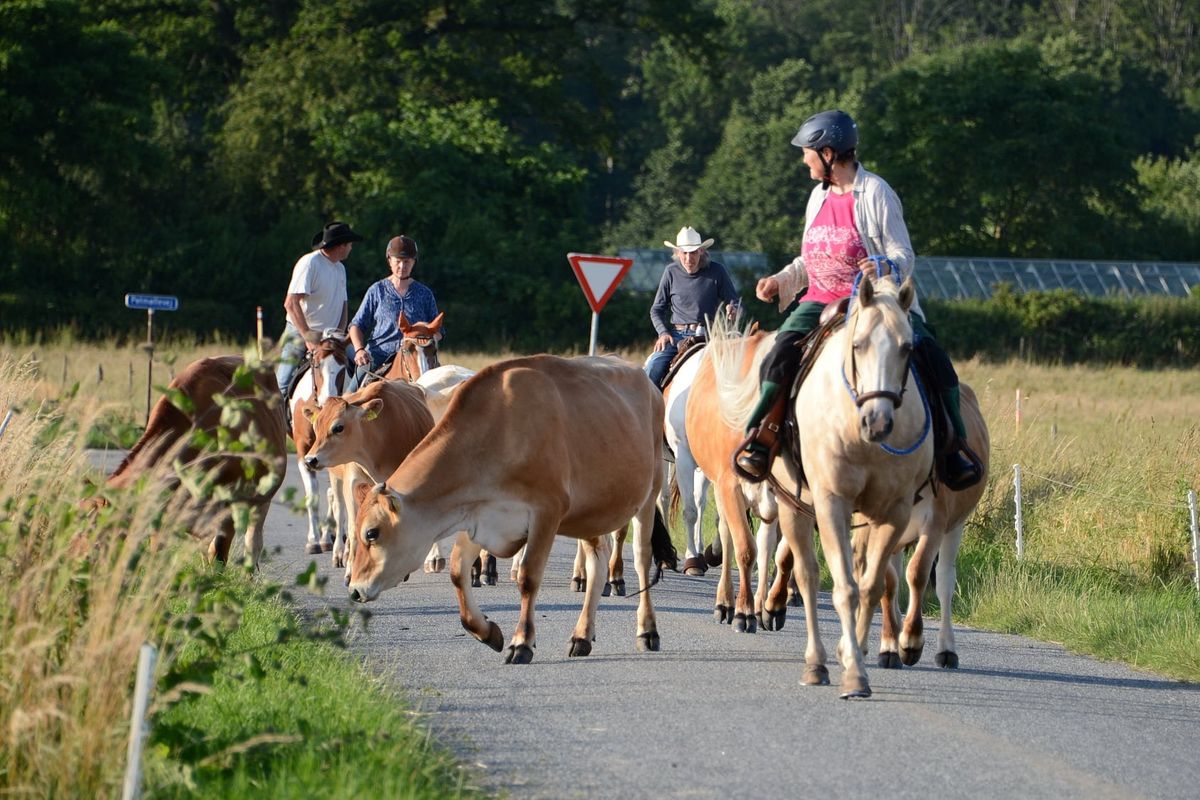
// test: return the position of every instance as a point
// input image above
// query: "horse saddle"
(687, 347)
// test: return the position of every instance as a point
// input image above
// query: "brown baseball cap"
(402, 247)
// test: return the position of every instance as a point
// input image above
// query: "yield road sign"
(599, 276)
(152, 302)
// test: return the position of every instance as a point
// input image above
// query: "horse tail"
(660, 545)
(736, 360)
(676, 502)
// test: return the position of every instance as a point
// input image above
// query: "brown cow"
(168, 449)
(529, 449)
(369, 432)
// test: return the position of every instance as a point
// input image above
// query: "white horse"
(861, 448)
(327, 378)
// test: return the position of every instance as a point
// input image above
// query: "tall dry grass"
(82, 593)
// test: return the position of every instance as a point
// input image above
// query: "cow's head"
(384, 553)
(338, 431)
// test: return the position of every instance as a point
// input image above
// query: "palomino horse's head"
(878, 349)
(330, 365)
(418, 349)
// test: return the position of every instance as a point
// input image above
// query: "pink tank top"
(832, 249)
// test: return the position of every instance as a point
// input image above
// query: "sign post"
(599, 276)
(152, 303)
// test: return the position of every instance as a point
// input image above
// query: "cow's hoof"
(773, 620)
(439, 565)
(619, 587)
(713, 559)
(745, 623)
(579, 648)
(889, 659)
(495, 639)
(313, 548)
(795, 600)
(648, 642)
(579, 584)
(327, 545)
(427, 567)
(722, 613)
(519, 654)
(911, 655)
(947, 659)
(817, 675)
(607, 590)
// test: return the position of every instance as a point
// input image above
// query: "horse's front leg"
(833, 522)
(883, 538)
(766, 540)
(797, 532)
(312, 506)
(731, 509)
(595, 552)
(912, 635)
(473, 619)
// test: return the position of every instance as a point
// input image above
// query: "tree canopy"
(192, 148)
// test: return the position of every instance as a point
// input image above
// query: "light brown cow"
(230, 403)
(530, 448)
(367, 433)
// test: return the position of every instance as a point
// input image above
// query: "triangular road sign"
(599, 276)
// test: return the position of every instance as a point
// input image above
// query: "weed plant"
(248, 702)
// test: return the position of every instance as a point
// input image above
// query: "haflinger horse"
(235, 407)
(327, 378)
(847, 411)
(702, 442)
(418, 351)
(530, 448)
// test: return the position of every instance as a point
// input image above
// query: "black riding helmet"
(832, 129)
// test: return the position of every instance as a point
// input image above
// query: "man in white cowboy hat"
(691, 289)
(316, 297)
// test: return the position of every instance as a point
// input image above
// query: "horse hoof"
(475, 582)
(911, 655)
(428, 567)
(648, 642)
(490, 579)
(745, 623)
(495, 639)
(855, 694)
(579, 648)
(695, 567)
(490, 576)
(313, 548)
(327, 545)
(713, 559)
(947, 659)
(855, 688)
(815, 675)
(795, 600)
(619, 587)
(579, 584)
(607, 590)
(722, 614)
(519, 654)
(889, 660)
(439, 565)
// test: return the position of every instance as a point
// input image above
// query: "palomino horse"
(326, 379)
(847, 411)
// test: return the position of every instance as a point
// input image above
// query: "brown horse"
(418, 351)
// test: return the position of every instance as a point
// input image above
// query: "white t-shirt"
(323, 284)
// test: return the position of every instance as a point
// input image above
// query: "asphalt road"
(718, 714)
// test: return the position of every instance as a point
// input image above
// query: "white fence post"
(1020, 522)
(8, 418)
(137, 723)
(1195, 538)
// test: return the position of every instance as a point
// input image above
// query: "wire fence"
(1191, 505)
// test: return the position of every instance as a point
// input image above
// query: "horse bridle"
(897, 398)
(410, 344)
(337, 351)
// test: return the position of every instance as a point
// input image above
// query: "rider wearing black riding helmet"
(853, 218)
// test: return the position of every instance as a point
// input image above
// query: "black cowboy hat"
(333, 234)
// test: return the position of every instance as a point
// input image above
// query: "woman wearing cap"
(374, 331)
(316, 297)
(691, 288)
(851, 216)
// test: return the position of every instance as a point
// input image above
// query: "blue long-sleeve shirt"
(377, 317)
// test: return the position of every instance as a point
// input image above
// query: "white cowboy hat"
(688, 241)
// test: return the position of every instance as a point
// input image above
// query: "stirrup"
(752, 459)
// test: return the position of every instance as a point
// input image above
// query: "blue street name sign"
(153, 302)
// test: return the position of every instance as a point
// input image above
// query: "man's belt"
(692, 326)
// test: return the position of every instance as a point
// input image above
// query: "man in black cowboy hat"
(316, 297)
